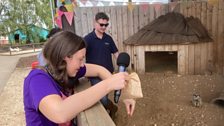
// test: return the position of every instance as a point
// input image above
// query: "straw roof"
(172, 28)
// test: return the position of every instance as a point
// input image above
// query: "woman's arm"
(96, 70)
(60, 111)
(93, 70)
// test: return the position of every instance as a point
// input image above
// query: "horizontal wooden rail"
(95, 115)
(21, 49)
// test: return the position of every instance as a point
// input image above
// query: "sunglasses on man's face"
(101, 25)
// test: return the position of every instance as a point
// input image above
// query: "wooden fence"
(17, 49)
(125, 22)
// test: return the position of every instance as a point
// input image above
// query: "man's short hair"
(53, 31)
(101, 15)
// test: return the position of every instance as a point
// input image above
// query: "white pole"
(52, 13)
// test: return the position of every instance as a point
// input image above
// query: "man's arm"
(116, 55)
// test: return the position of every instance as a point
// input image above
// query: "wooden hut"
(171, 43)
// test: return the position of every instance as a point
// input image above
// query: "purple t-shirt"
(37, 85)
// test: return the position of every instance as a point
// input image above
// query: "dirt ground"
(166, 102)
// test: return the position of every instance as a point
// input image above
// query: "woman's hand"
(130, 106)
(118, 80)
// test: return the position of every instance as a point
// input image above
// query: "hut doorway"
(162, 61)
(16, 37)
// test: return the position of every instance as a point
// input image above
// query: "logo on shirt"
(107, 43)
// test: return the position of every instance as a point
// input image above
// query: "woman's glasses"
(101, 25)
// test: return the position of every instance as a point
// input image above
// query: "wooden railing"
(21, 49)
(95, 115)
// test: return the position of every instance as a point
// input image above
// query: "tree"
(19, 14)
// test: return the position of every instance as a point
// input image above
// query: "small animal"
(196, 100)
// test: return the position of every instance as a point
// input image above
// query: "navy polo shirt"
(99, 51)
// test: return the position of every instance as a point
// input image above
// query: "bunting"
(69, 16)
(69, 7)
(213, 2)
(94, 3)
(130, 6)
(157, 6)
(83, 2)
(145, 7)
(59, 2)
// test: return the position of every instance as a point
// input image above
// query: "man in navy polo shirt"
(100, 46)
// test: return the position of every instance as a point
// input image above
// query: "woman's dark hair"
(101, 15)
(62, 44)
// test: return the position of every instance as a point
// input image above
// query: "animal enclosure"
(124, 23)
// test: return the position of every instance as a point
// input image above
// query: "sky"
(100, 3)
(132, 0)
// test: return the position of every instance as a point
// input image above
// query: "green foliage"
(19, 14)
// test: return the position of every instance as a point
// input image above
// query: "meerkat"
(196, 100)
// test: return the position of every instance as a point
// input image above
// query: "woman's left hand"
(130, 106)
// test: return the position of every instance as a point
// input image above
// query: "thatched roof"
(172, 28)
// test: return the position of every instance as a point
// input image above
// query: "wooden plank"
(114, 24)
(82, 120)
(107, 11)
(197, 59)
(101, 9)
(135, 57)
(181, 7)
(84, 21)
(220, 45)
(210, 61)
(130, 23)
(203, 57)
(214, 33)
(120, 28)
(166, 48)
(78, 21)
(198, 10)
(209, 18)
(157, 9)
(125, 22)
(188, 4)
(151, 13)
(203, 14)
(141, 59)
(90, 19)
(154, 48)
(189, 10)
(95, 10)
(143, 16)
(186, 50)
(96, 115)
(181, 60)
(222, 39)
(165, 9)
(136, 18)
(161, 48)
(191, 59)
(128, 49)
(174, 47)
(193, 9)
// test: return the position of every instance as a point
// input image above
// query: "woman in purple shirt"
(49, 99)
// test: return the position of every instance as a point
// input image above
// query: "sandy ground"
(11, 106)
(166, 102)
